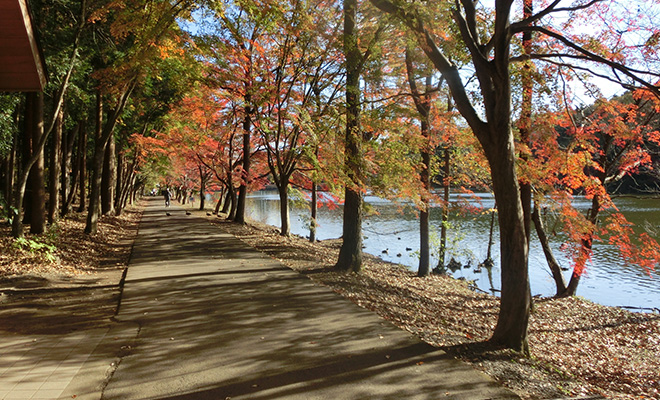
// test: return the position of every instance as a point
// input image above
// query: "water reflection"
(392, 233)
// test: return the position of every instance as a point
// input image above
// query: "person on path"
(168, 196)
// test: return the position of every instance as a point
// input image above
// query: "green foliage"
(8, 104)
(42, 249)
(6, 211)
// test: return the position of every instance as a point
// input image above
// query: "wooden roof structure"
(22, 65)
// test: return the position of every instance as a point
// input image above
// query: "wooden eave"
(22, 66)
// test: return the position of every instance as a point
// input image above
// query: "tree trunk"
(55, 169)
(202, 188)
(515, 303)
(282, 190)
(11, 165)
(350, 253)
(525, 123)
(489, 252)
(444, 226)
(226, 206)
(560, 283)
(95, 187)
(218, 204)
(232, 204)
(34, 128)
(109, 178)
(423, 106)
(91, 226)
(314, 211)
(120, 181)
(68, 176)
(82, 153)
(587, 241)
(243, 189)
(424, 242)
(37, 184)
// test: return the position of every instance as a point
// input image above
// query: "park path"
(205, 316)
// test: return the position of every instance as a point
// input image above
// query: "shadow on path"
(219, 320)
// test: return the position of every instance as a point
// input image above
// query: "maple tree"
(303, 62)
(598, 147)
(490, 48)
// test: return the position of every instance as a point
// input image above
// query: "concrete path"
(212, 318)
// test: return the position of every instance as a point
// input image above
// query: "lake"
(392, 233)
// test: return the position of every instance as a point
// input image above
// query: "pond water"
(392, 233)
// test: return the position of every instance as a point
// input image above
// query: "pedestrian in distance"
(168, 196)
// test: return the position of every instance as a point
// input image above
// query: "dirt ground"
(578, 348)
(73, 285)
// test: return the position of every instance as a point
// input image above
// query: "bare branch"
(591, 56)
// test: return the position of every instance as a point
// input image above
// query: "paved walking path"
(204, 316)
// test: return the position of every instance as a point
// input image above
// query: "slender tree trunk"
(55, 169)
(282, 190)
(82, 153)
(424, 242)
(202, 188)
(314, 211)
(127, 187)
(232, 204)
(226, 206)
(34, 130)
(11, 166)
(120, 181)
(586, 247)
(560, 283)
(37, 182)
(218, 204)
(525, 124)
(95, 187)
(489, 252)
(6, 171)
(109, 178)
(444, 227)
(350, 253)
(423, 106)
(68, 176)
(26, 154)
(243, 189)
(91, 226)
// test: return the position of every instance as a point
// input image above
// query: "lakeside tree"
(595, 148)
(356, 56)
(490, 48)
(303, 58)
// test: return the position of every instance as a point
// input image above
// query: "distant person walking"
(168, 196)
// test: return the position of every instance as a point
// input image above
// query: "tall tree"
(350, 253)
(422, 102)
(490, 52)
(302, 54)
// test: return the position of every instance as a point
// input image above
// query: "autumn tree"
(594, 149)
(490, 48)
(139, 29)
(303, 60)
(360, 39)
